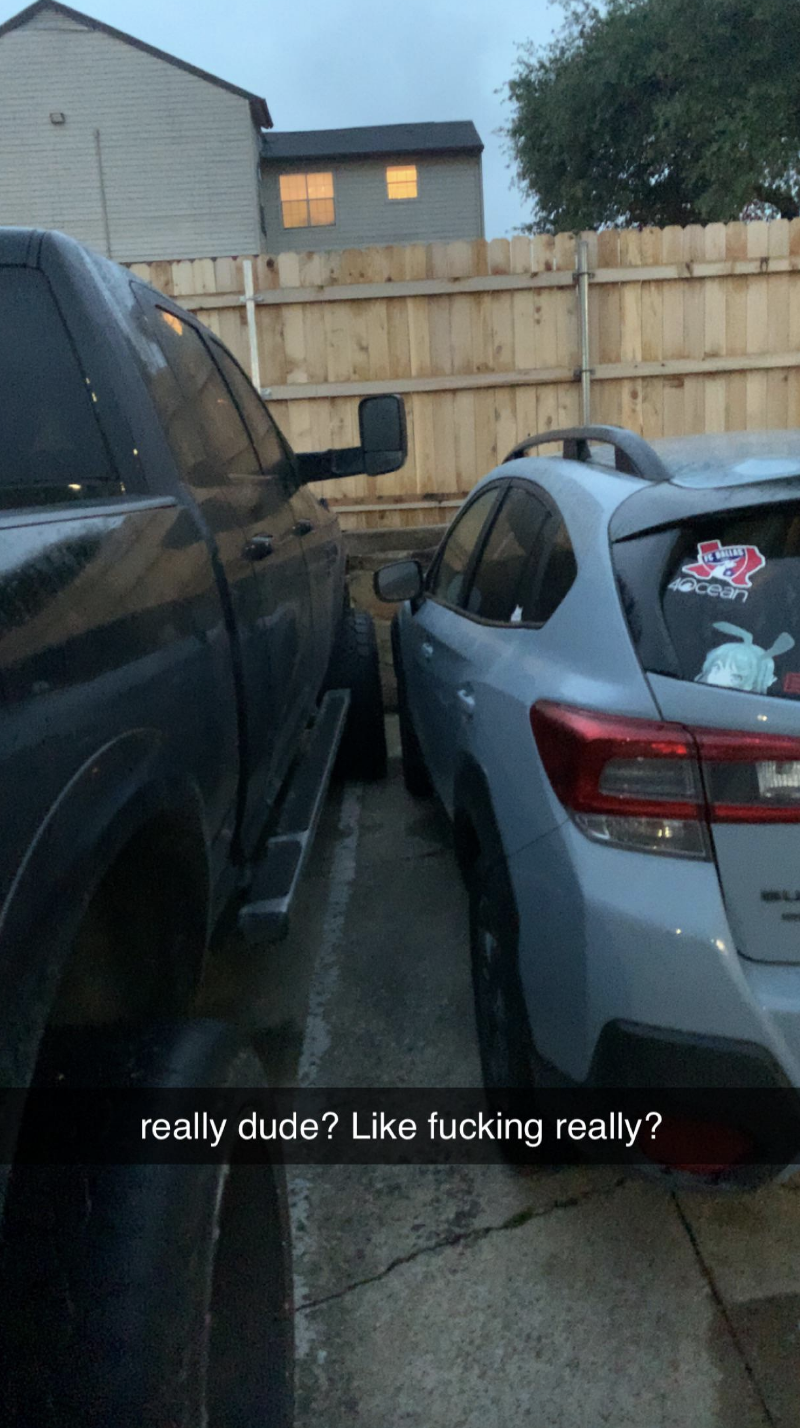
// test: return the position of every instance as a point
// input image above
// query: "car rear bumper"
(629, 970)
(628, 1054)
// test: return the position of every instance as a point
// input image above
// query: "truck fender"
(127, 784)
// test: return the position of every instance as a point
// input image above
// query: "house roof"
(258, 106)
(456, 136)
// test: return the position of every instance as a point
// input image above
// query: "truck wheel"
(355, 666)
(415, 774)
(148, 1295)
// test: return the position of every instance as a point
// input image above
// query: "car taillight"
(655, 787)
(750, 778)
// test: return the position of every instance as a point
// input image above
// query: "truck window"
(53, 449)
(200, 419)
(210, 403)
(273, 451)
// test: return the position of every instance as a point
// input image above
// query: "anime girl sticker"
(742, 666)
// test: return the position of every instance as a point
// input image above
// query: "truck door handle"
(467, 701)
(427, 649)
(304, 528)
(258, 547)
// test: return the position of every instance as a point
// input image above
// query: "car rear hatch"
(710, 583)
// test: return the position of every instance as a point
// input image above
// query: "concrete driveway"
(458, 1297)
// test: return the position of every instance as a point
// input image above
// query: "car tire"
(355, 666)
(145, 1295)
(504, 1036)
(415, 773)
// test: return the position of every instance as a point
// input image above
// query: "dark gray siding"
(449, 206)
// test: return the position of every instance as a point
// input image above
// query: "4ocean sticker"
(721, 571)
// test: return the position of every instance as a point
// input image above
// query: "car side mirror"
(383, 445)
(382, 429)
(402, 580)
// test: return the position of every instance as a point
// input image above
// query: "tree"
(660, 111)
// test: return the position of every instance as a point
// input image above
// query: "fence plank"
(441, 343)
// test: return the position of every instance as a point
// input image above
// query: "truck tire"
(149, 1295)
(355, 666)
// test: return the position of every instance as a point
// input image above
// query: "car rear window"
(718, 601)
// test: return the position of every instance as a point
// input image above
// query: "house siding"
(179, 155)
(449, 206)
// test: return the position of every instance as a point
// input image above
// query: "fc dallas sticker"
(724, 571)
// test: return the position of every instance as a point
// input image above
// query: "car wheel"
(355, 666)
(415, 774)
(504, 1038)
(148, 1295)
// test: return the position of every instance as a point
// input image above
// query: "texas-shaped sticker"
(737, 564)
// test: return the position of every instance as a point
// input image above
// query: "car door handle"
(258, 547)
(427, 649)
(467, 701)
(304, 528)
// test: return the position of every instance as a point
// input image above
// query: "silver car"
(599, 675)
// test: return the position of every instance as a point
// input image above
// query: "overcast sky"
(331, 63)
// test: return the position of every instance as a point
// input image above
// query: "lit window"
(402, 182)
(307, 200)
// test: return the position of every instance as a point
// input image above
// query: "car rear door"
(719, 631)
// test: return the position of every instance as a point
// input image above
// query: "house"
(390, 183)
(129, 149)
(144, 157)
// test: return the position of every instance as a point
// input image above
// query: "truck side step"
(265, 918)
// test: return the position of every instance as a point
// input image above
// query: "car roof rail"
(632, 454)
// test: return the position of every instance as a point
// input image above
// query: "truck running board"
(265, 918)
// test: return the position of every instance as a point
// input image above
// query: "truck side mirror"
(382, 428)
(383, 446)
(402, 580)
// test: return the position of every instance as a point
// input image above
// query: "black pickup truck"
(179, 672)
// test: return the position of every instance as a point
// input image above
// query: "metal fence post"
(582, 276)
(249, 294)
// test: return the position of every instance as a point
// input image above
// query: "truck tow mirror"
(382, 428)
(402, 580)
(384, 445)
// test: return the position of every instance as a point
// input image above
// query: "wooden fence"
(691, 329)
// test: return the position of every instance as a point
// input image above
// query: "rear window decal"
(687, 585)
(743, 666)
(735, 564)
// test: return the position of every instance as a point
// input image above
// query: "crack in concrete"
(716, 1294)
(514, 1222)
